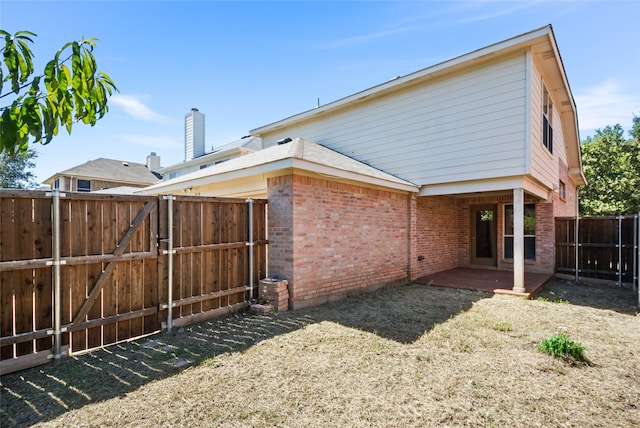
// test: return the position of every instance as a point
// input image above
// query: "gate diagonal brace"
(102, 279)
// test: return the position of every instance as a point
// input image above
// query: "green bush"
(559, 346)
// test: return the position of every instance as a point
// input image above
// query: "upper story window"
(547, 116)
(83, 185)
(562, 190)
(56, 184)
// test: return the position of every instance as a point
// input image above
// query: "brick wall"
(280, 224)
(437, 235)
(565, 207)
(329, 239)
(345, 238)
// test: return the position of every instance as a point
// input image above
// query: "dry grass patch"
(406, 356)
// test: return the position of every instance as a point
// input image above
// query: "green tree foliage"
(612, 168)
(15, 169)
(69, 90)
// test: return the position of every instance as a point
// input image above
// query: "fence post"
(638, 257)
(250, 244)
(619, 251)
(57, 293)
(170, 199)
(576, 232)
(636, 251)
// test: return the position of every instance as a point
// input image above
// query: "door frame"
(473, 259)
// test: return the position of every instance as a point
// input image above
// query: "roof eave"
(279, 165)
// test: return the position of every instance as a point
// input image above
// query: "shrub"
(559, 346)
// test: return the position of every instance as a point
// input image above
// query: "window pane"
(508, 247)
(530, 219)
(529, 248)
(508, 219)
(84, 186)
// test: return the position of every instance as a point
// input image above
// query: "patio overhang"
(501, 185)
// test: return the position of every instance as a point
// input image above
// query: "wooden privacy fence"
(81, 270)
(606, 248)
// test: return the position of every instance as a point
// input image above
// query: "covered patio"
(489, 280)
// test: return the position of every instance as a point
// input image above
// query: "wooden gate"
(86, 270)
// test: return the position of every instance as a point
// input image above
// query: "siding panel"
(544, 165)
(469, 125)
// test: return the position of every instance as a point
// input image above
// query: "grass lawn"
(405, 356)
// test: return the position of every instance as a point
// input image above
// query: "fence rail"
(606, 247)
(89, 270)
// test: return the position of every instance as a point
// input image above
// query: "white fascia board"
(447, 66)
(225, 176)
(330, 172)
(476, 186)
(491, 185)
(279, 165)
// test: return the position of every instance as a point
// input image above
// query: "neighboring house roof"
(299, 154)
(109, 170)
(243, 145)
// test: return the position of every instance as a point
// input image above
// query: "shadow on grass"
(595, 295)
(402, 314)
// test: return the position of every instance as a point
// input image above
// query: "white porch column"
(518, 240)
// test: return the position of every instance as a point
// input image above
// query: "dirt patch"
(405, 356)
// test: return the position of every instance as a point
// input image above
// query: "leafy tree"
(14, 169)
(612, 168)
(69, 90)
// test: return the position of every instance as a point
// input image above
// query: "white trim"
(518, 240)
(477, 186)
(527, 121)
(348, 175)
(272, 167)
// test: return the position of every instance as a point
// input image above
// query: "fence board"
(109, 241)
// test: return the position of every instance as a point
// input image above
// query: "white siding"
(544, 165)
(467, 126)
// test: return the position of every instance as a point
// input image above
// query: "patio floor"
(490, 280)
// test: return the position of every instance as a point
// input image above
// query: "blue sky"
(247, 64)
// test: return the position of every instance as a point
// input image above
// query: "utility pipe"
(250, 244)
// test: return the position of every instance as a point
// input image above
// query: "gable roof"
(297, 153)
(109, 170)
(541, 42)
(400, 82)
